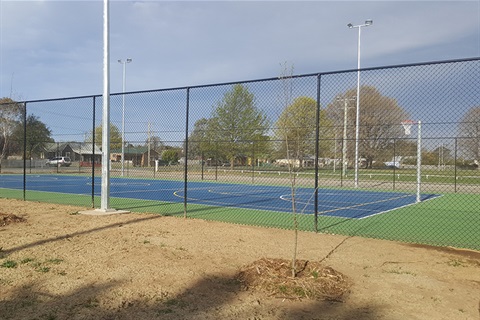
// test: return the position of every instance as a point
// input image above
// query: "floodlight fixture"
(367, 23)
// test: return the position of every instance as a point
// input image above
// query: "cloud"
(55, 48)
(425, 24)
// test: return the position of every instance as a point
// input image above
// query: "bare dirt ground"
(57, 264)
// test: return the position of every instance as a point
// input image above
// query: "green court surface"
(451, 220)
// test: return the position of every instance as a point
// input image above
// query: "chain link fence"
(394, 156)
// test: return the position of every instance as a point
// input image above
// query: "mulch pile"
(312, 281)
(6, 219)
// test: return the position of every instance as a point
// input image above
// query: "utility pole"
(345, 121)
(148, 143)
(124, 85)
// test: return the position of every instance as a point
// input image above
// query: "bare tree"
(284, 132)
(469, 134)
(380, 119)
(156, 143)
(10, 116)
(199, 140)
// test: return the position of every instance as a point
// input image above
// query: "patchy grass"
(54, 261)
(26, 260)
(34, 263)
(9, 264)
(42, 269)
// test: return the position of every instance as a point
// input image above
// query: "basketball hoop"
(407, 126)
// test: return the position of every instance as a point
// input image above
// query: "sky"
(53, 49)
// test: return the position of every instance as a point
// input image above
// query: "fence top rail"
(316, 74)
(407, 65)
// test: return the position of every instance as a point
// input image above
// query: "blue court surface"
(331, 202)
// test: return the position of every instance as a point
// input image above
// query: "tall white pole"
(105, 192)
(357, 121)
(124, 86)
(123, 115)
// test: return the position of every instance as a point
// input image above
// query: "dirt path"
(61, 265)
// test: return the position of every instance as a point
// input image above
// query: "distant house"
(77, 151)
(137, 156)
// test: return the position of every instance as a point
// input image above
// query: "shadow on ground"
(209, 298)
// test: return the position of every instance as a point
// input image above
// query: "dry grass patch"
(6, 219)
(313, 280)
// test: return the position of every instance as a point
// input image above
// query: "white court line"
(357, 206)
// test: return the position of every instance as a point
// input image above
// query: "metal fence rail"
(242, 152)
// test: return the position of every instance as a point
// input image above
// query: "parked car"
(58, 162)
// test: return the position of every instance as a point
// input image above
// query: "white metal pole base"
(103, 212)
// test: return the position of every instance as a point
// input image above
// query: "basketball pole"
(419, 159)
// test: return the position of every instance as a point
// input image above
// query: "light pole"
(123, 109)
(344, 149)
(357, 129)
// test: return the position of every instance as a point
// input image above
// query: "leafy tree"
(297, 127)
(10, 116)
(199, 141)
(380, 119)
(170, 156)
(262, 148)
(37, 137)
(115, 137)
(236, 123)
(469, 134)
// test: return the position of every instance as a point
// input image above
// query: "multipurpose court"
(353, 204)
(431, 198)
(440, 218)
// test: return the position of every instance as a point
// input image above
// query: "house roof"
(86, 148)
(134, 150)
(77, 147)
